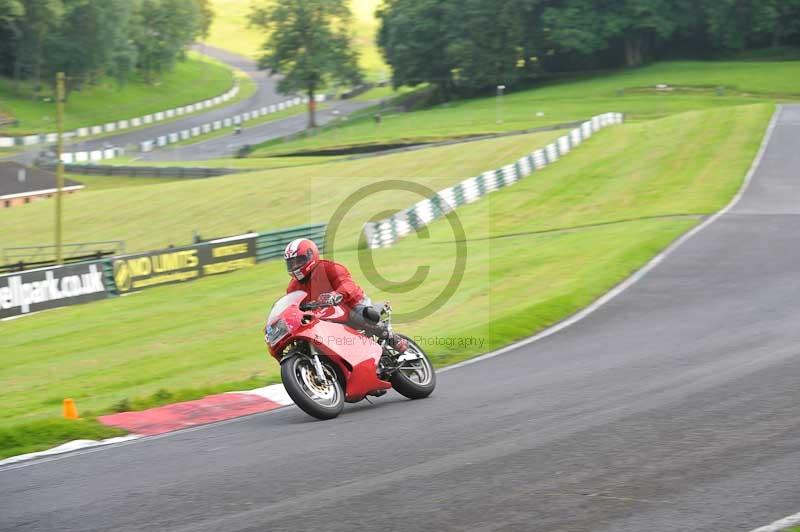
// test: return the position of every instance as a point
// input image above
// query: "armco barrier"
(384, 233)
(271, 245)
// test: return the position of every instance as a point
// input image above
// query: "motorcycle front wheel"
(322, 400)
(414, 379)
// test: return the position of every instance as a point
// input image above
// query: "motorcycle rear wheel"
(415, 379)
(319, 400)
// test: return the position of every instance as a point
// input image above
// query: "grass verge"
(152, 219)
(264, 163)
(94, 183)
(567, 234)
(45, 433)
(192, 80)
(632, 92)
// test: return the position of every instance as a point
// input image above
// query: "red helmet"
(301, 256)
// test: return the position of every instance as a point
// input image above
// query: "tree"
(487, 43)
(788, 24)
(41, 17)
(123, 54)
(206, 17)
(92, 41)
(633, 29)
(414, 37)
(164, 29)
(575, 26)
(308, 44)
(11, 11)
(736, 25)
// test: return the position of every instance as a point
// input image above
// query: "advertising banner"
(174, 265)
(46, 288)
(228, 254)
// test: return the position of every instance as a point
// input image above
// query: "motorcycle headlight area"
(276, 332)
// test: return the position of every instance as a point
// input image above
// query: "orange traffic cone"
(70, 410)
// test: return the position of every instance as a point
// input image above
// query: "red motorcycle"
(325, 363)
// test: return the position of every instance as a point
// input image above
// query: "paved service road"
(266, 93)
(227, 145)
(675, 406)
(224, 146)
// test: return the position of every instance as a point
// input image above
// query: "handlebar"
(313, 305)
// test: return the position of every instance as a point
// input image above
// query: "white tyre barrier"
(386, 232)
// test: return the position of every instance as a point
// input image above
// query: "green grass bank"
(193, 80)
(693, 85)
(568, 233)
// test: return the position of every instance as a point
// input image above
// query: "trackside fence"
(386, 232)
(146, 171)
(271, 245)
(49, 287)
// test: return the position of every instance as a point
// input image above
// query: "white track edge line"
(608, 296)
(139, 438)
(68, 447)
(638, 275)
(780, 524)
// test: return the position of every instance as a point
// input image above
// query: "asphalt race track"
(674, 407)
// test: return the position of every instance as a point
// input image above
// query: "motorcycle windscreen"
(292, 298)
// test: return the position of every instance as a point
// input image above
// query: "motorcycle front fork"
(317, 365)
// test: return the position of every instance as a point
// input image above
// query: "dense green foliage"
(308, 44)
(231, 31)
(470, 45)
(92, 39)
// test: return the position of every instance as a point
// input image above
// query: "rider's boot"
(383, 331)
(395, 341)
(399, 343)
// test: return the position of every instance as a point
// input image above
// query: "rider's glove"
(330, 298)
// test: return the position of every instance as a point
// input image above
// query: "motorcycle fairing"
(348, 348)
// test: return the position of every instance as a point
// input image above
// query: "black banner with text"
(59, 286)
(174, 265)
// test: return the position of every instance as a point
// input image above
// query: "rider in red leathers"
(330, 282)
